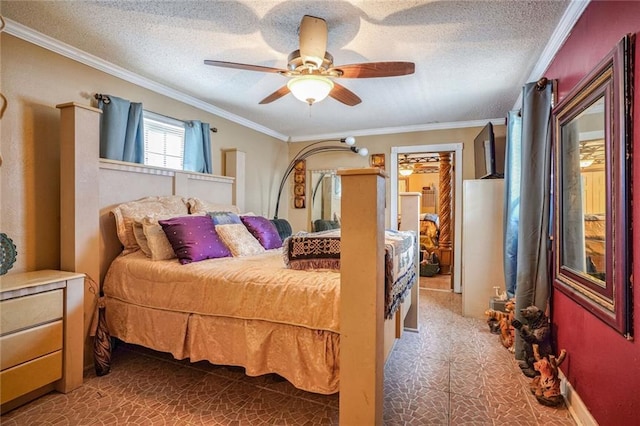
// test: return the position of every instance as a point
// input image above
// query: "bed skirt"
(307, 358)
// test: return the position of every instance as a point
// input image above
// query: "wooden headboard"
(121, 182)
(91, 187)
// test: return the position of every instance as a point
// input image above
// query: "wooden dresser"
(41, 335)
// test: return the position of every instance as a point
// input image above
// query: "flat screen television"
(489, 154)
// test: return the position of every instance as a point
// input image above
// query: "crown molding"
(568, 20)
(403, 129)
(560, 34)
(30, 35)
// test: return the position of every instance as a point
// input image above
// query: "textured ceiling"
(472, 57)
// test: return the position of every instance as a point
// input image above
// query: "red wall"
(601, 365)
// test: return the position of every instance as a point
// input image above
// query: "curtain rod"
(106, 100)
(542, 83)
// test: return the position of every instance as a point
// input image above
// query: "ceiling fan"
(312, 71)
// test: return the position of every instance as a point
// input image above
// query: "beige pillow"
(127, 214)
(237, 237)
(197, 205)
(159, 245)
(141, 239)
(153, 240)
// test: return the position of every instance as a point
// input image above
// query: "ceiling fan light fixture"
(310, 88)
(586, 162)
(405, 170)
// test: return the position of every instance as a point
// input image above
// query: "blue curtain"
(197, 147)
(532, 277)
(512, 169)
(121, 130)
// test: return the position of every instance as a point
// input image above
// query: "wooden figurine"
(537, 331)
(546, 386)
(500, 323)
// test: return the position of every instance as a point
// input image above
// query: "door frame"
(456, 148)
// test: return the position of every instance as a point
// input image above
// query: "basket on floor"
(429, 269)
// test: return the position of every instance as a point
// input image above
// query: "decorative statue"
(500, 323)
(507, 333)
(493, 319)
(546, 386)
(537, 331)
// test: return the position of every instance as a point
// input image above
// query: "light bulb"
(349, 140)
(363, 151)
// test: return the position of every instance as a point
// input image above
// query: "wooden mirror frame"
(608, 299)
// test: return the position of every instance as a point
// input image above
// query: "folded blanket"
(321, 250)
(312, 251)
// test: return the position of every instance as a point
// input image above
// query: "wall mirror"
(593, 142)
(326, 195)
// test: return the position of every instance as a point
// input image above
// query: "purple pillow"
(264, 231)
(194, 238)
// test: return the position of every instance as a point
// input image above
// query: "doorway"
(456, 150)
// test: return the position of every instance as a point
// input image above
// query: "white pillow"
(239, 240)
(127, 214)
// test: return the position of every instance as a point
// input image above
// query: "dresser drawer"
(29, 344)
(27, 311)
(24, 378)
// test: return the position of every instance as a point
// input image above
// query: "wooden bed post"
(79, 203)
(362, 296)
(234, 166)
(410, 208)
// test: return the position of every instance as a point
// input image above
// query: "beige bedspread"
(251, 288)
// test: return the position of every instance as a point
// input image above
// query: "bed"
(90, 245)
(269, 309)
(429, 231)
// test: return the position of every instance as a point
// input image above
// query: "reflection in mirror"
(593, 197)
(326, 196)
(583, 190)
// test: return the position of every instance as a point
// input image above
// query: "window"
(163, 141)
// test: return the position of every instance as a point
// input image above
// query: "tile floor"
(453, 372)
(436, 282)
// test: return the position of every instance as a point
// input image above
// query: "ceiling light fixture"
(405, 170)
(586, 163)
(310, 88)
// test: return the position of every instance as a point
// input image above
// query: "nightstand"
(41, 335)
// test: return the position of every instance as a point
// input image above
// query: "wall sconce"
(312, 149)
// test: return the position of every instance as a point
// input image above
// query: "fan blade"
(241, 66)
(313, 40)
(275, 95)
(376, 69)
(344, 95)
